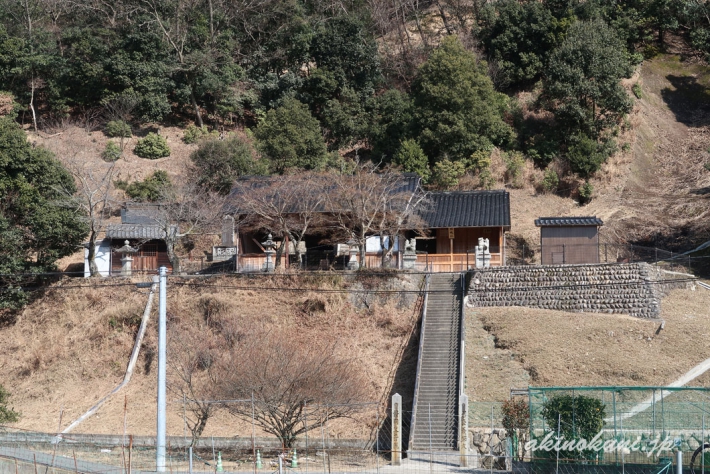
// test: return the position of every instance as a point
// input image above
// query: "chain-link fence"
(618, 429)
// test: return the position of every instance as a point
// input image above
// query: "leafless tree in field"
(295, 385)
(193, 352)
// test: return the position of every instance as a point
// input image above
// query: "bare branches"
(289, 380)
(93, 198)
(373, 202)
(185, 210)
(288, 207)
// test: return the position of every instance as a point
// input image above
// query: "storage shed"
(569, 240)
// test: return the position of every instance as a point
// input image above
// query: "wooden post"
(396, 429)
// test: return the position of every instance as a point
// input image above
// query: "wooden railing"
(453, 262)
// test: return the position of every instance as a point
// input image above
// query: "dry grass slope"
(525, 346)
(71, 347)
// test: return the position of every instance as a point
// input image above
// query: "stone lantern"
(126, 259)
(269, 246)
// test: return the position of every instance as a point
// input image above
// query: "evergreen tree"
(457, 111)
(290, 137)
(34, 230)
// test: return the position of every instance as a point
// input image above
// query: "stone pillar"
(228, 231)
(463, 430)
(396, 429)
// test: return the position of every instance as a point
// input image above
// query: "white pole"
(679, 462)
(162, 333)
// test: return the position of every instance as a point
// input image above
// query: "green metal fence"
(639, 425)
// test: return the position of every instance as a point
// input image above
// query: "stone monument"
(228, 249)
(396, 430)
(352, 252)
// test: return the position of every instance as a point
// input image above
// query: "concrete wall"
(601, 288)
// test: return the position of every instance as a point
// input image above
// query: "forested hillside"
(430, 86)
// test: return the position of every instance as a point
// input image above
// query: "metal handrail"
(419, 361)
(462, 354)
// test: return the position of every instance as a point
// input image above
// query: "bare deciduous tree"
(186, 210)
(289, 206)
(295, 385)
(369, 202)
(93, 198)
(191, 361)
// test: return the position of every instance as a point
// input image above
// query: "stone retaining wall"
(604, 288)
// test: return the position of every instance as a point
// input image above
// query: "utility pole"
(162, 333)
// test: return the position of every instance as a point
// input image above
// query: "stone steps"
(435, 423)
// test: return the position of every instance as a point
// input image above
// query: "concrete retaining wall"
(604, 288)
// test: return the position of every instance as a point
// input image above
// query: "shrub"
(118, 128)
(585, 192)
(153, 188)
(585, 156)
(193, 134)
(579, 417)
(7, 415)
(514, 163)
(412, 159)
(707, 166)
(218, 163)
(636, 89)
(516, 421)
(447, 173)
(153, 146)
(480, 160)
(550, 181)
(486, 179)
(112, 152)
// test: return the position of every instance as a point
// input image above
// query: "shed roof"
(568, 221)
(131, 231)
(468, 209)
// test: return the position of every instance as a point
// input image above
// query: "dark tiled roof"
(468, 209)
(568, 221)
(130, 231)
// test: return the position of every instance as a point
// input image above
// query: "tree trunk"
(32, 101)
(198, 115)
(280, 252)
(93, 268)
(449, 31)
(172, 256)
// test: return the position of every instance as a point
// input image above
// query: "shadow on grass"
(687, 100)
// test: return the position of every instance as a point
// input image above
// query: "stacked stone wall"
(605, 288)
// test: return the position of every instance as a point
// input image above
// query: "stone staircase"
(435, 417)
